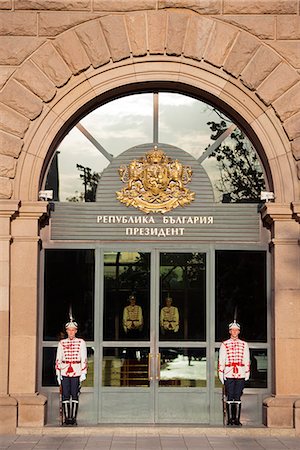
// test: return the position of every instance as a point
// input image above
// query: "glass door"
(153, 349)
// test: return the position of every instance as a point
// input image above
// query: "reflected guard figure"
(169, 317)
(71, 370)
(234, 370)
(132, 317)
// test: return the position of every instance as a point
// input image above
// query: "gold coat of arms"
(155, 183)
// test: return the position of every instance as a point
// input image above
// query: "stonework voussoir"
(136, 28)
(201, 6)
(21, 100)
(157, 30)
(5, 188)
(36, 81)
(92, 39)
(221, 40)
(52, 64)
(260, 6)
(292, 126)
(116, 36)
(70, 49)
(10, 145)
(296, 148)
(7, 166)
(240, 54)
(13, 122)
(281, 79)
(289, 103)
(261, 65)
(176, 31)
(5, 74)
(198, 32)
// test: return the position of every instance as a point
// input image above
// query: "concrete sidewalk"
(151, 438)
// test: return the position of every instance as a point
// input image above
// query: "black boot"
(233, 413)
(238, 415)
(229, 414)
(74, 412)
(67, 412)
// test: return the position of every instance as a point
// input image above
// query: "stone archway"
(115, 50)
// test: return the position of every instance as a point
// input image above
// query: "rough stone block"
(176, 30)
(240, 54)
(18, 24)
(220, 43)
(36, 81)
(69, 47)
(201, 6)
(289, 103)
(261, 26)
(290, 50)
(20, 99)
(116, 37)
(8, 415)
(260, 6)
(296, 148)
(93, 42)
(54, 23)
(7, 166)
(157, 26)
(52, 64)
(261, 65)
(292, 126)
(15, 49)
(288, 27)
(136, 27)
(123, 6)
(198, 32)
(5, 187)
(57, 5)
(12, 122)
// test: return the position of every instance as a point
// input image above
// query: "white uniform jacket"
(169, 318)
(234, 360)
(132, 318)
(71, 358)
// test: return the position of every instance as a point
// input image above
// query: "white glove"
(82, 377)
(59, 380)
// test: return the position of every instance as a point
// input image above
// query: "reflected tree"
(241, 176)
(90, 182)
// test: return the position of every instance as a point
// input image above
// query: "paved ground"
(152, 439)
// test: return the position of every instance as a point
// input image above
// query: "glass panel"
(182, 367)
(258, 369)
(126, 274)
(183, 294)
(125, 367)
(69, 282)
(241, 286)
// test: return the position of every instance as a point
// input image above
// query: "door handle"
(150, 358)
(158, 367)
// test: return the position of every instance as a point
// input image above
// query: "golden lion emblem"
(155, 183)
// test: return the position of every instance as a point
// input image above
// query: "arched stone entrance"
(86, 62)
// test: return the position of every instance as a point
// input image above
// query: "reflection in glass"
(241, 286)
(69, 282)
(125, 367)
(126, 274)
(182, 367)
(183, 278)
(48, 368)
(258, 369)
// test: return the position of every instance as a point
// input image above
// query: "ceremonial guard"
(71, 370)
(234, 370)
(169, 317)
(132, 316)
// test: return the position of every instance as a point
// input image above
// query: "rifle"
(61, 414)
(224, 406)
